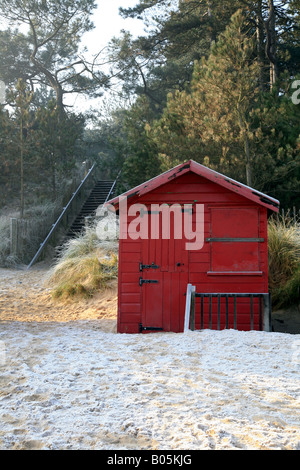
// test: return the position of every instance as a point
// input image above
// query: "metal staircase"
(101, 192)
(98, 196)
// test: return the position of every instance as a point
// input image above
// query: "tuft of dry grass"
(85, 266)
(284, 261)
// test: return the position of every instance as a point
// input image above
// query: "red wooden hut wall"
(233, 258)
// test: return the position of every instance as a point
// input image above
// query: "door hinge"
(147, 281)
(149, 328)
(148, 266)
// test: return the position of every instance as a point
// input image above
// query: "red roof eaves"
(215, 177)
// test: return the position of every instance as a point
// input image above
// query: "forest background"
(213, 81)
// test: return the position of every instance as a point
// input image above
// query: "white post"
(187, 308)
(267, 321)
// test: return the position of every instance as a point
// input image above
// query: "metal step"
(97, 197)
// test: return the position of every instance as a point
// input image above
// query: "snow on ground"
(74, 386)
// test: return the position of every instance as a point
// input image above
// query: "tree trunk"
(245, 139)
(248, 164)
(270, 27)
(59, 100)
(260, 44)
(53, 81)
(22, 203)
(52, 165)
(213, 36)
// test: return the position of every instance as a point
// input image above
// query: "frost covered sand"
(73, 386)
(79, 385)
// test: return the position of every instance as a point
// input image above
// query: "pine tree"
(56, 139)
(141, 160)
(223, 92)
(230, 124)
(179, 34)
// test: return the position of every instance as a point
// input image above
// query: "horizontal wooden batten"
(131, 318)
(130, 267)
(235, 273)
(128, 327)
(199, 267)
(130, 277)
(131, 257)
(245, 283)
(131, 298)
(131, 247)
(129, 287)
(230, 294)
(237, 240)
(131, 308)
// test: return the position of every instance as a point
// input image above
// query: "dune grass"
(85, 266)
(284, 261)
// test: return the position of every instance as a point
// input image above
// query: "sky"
(108, 23)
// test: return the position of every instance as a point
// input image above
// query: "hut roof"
(201, 170)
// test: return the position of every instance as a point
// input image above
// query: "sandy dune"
(26, 296)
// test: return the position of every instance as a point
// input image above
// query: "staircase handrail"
(112, 188)
(55, 225)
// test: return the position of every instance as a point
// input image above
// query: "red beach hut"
(192, 225)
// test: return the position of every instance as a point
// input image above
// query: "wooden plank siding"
(190, 188)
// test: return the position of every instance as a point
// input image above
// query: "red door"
(163, 278)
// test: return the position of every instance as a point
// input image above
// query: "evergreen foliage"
(218, 79)
(210, 80)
